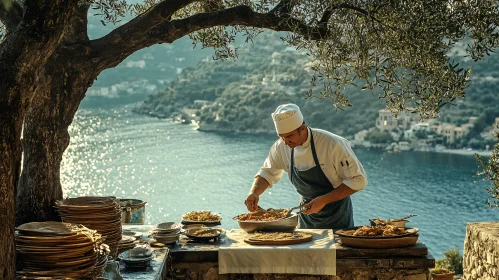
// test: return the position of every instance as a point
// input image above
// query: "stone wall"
(481, 251)
(209, 271)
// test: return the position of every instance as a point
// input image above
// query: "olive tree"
(47, 63)
(490, 171)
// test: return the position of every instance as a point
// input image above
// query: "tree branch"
(329, 12)
(240, 15)
(11, 13)
(284, 8)
(112, 53)
(164, 10)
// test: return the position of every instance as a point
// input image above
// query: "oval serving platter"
(343, 233)
(379, 243)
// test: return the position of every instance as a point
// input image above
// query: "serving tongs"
(290, 210)
(403, 218)
(386, 222)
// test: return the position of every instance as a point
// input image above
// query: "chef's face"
(295, 137)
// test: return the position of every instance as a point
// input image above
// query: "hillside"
(143, 73)
(244, 93)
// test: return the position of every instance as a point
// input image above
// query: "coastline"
(465, 152)
(210, 128)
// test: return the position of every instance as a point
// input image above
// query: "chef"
(321, 166)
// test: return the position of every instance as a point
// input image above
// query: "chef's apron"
(312, 183)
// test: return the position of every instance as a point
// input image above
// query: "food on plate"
(201, 216)
(263, 215)
(279, 235)
(372, 231)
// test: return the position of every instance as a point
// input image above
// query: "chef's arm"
(338, 194)
(260, 184)
(319, 202)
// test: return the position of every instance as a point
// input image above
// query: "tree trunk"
(18, 84)
(46, 135)
(39, 185)
(10, 163)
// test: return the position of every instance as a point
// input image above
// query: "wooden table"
(193, 260)
(200, 260)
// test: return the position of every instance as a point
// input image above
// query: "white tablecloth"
(317, 257)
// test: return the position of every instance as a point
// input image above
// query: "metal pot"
(132, 211)
(282, 225)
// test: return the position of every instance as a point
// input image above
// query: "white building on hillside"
(387, 121)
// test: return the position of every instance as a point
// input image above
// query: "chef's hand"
(251, 202)
(315, 205)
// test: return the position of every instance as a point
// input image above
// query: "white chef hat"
(287, 117)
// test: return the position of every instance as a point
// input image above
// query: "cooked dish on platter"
(279, 235)
(202, 216)
(375, 231)
(263, 215)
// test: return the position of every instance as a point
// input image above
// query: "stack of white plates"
(166, 233)
(102, 214)
(59, 250)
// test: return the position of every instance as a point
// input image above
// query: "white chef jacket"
(337, 160)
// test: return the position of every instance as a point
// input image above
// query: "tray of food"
(278, 238)
(378, 237)
(377, 232)
(205, 217)
(267, 220)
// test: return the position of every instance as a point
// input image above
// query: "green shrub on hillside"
(452, 261)
(379, 137)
